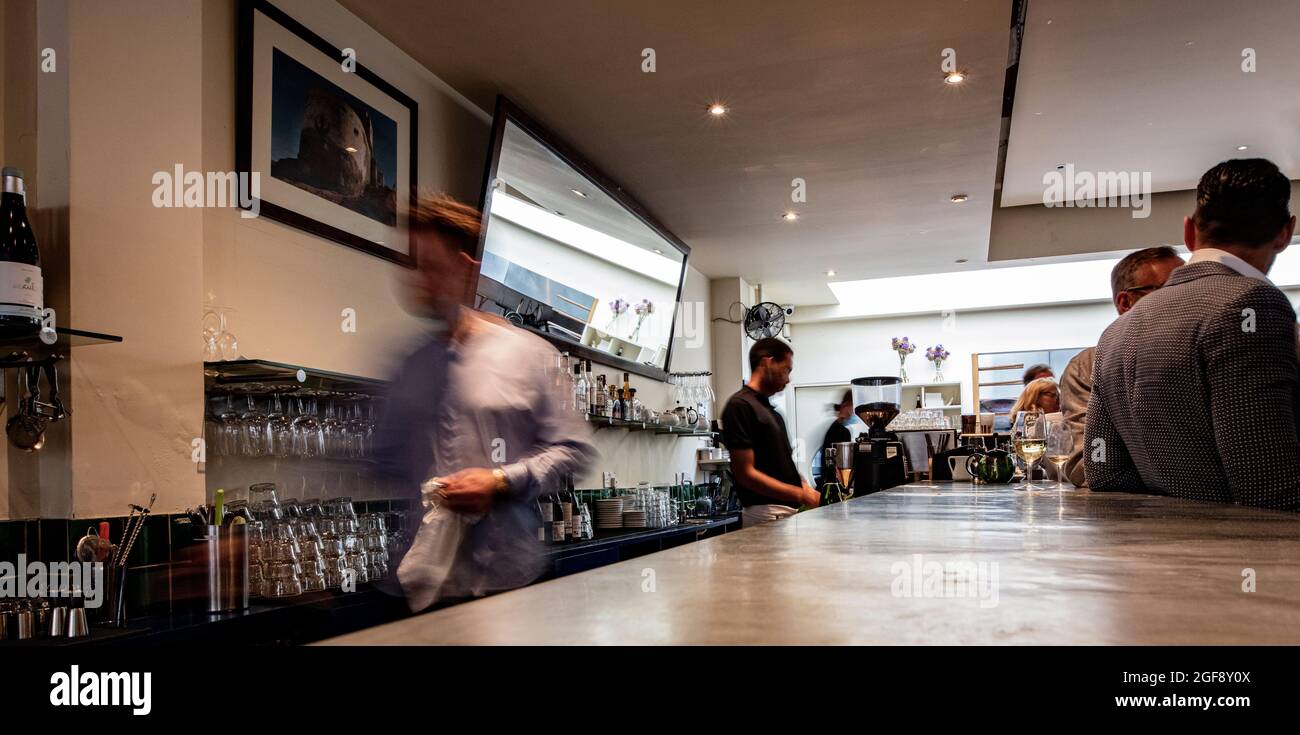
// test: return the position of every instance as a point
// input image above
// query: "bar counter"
(1045, 568)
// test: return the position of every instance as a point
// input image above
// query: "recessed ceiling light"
(658, 251)
(717, 109)
(790, 216)
(961, 260)
(578, 193)
(1242, 147)
(955, 77)
(959, 198)
(830, 274)
(350, 149)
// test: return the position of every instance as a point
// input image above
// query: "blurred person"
(1034, 372)
(767, 481)
(1196, 389)
(1136, 275)
(841, 430)
(473, 408)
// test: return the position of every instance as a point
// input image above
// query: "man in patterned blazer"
(1197, 388)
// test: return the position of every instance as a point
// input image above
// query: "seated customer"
(1196, 389)
(1040, 395)
(1137, 275)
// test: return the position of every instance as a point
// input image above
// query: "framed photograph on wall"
(331, 146)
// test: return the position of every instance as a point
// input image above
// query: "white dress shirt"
(1202, 255)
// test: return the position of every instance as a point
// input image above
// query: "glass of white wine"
(1029, 440)
(1060, 445)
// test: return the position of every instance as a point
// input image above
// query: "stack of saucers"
(609, 513)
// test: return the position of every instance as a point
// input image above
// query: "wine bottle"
(21, 287)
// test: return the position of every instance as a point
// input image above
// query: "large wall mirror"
(565, 253)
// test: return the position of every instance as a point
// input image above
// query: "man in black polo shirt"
(768, 482)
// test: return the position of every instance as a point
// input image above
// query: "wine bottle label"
(21, 285)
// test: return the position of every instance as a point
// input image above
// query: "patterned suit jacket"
(1196, 391)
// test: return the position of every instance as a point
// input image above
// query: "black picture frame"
(508, 112)
(244, 131)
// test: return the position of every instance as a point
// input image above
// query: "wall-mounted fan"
(764, 320)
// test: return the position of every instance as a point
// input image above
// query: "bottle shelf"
(23, 346)
(605, 422)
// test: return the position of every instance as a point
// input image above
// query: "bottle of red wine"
(21, 288)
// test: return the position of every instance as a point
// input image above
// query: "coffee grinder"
(878, 460)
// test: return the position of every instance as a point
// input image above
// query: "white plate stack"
(609, 513)
(634, 519)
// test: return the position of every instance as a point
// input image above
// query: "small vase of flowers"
(937, 355)
(643, 309)
(903, 347)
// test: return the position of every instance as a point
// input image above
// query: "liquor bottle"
(635, 413)
(21, 287)
(591, 385)
(579, 388)
(602, 399)
(626, 395)
(615, 403)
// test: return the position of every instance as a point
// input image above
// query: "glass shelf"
(604, 422)
(24, 345)
(231, 374)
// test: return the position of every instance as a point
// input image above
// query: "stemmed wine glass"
(308, 441)
(1029, 439)
(279, 428)
(1060, 445)
(332, 432)
(229, 438)
(253, 428)
(211, 331)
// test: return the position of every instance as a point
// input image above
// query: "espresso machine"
(878, 462)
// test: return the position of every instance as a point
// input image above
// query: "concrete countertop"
(924, 563)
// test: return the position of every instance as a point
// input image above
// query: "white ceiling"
(1156, 85)
(847, 94)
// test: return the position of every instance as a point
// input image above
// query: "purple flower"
(645, 306)
(618, 306)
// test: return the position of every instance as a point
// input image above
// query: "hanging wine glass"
(253, 429)
(279, 428)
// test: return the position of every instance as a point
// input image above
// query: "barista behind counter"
(762, 461)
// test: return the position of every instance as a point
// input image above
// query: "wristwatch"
(502, 483)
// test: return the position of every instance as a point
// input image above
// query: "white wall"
(287, 287)
(837, 351)
(636, 456)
